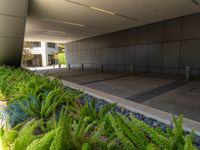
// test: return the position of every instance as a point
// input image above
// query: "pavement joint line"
(150, 94)
(62, 76)
(106, 79)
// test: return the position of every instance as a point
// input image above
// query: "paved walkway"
(168, 93)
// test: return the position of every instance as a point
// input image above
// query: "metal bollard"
(82, 66)
(132, 69)
(188, 73)
(59, 66)
(69, 67)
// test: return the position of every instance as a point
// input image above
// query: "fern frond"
(43, 143)
(188, 142)
(26, 135)
(160, 140)
(122, 138)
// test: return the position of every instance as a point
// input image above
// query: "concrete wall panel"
(191, 26)
(172, 30)
(120, 38)
(141, 55)
(171, 53)
(11, 26)
(131, 37)
(13, 7)
(155, 57)
(130, 55)
(122, 55)
(10, 45)
(190, 53)
(141, 58)
(164, 47)
(156, 33)
(142, 35)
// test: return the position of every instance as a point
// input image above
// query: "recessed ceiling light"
(102, 10)
(65, 22)
(56, 31)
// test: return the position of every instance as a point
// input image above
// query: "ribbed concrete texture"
(12, 26)
(164, 47)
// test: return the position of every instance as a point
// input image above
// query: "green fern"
(177, 137)
(26, 135)
(43, 143)
(188, 142)
(132, 132)
(95, 138)
(162, 141)
(122, 138)
(8, 138)
(105, 109)
(63, 139)
(85, 146)
(152, 147)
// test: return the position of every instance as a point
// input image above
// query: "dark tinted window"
(51, 45)
(36, 44)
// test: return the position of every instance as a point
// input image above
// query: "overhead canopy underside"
(70, 20)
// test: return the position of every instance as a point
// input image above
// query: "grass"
(42, 114)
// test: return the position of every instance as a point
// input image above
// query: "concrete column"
(12, 27)
(44, 54)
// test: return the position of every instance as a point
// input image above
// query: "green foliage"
(157, 138)
(177, 137)
(105, 109)
(152, 147)
(61, 122)
(61, 58)
(63, 139)
(8, 138)
(85, 146)
(43, 143)
(121, 136)
(134, 133)
(26, 135)
(188, 142)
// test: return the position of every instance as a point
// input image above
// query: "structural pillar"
(44, 54)
(12, 28)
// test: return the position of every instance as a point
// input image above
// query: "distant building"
(43, 53)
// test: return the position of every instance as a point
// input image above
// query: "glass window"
(36, 44)
(51, 45)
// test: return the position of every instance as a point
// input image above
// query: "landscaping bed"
(42, 114)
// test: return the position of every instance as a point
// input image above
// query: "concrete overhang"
(69, 20)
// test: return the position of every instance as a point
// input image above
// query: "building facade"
(43, 53)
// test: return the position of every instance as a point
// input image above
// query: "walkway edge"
(147, 111)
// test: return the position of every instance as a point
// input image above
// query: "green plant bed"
(49, 116)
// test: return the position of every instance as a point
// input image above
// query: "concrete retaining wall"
(163, 47)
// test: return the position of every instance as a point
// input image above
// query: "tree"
(27, 45)
(61, 47)
(26, 53)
